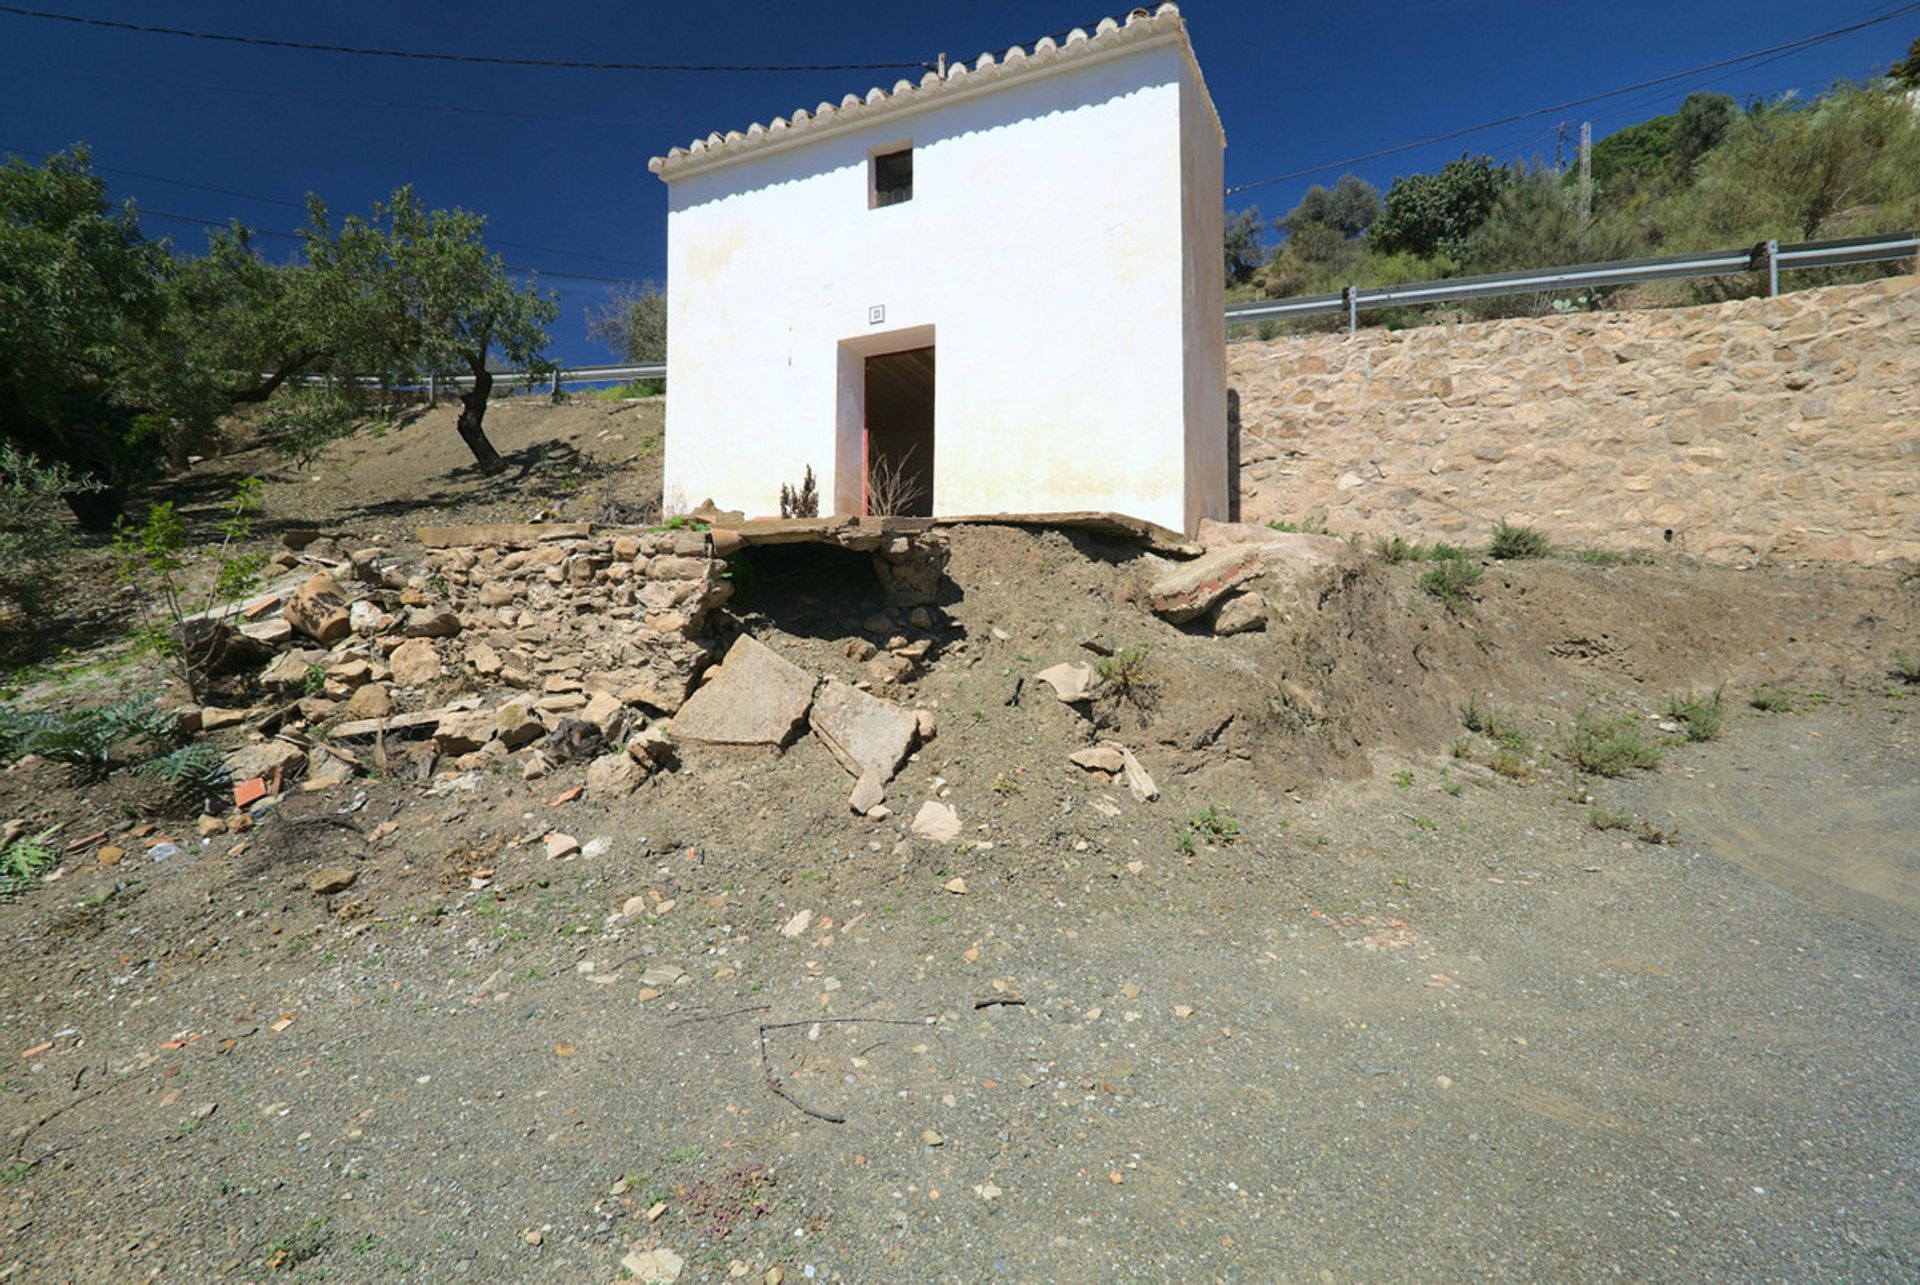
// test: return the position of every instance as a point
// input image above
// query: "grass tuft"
(1450, 578)
(1395, 550)
(1702, 715)
(1905, 668)
(1608, 746)
(1769, 699)
(1512, 542)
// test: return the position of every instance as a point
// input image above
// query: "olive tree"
(434, 300)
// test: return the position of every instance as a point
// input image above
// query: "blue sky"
(557, 158)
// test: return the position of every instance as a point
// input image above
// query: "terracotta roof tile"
(852, 110)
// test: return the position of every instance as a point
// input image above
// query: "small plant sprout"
(152, 557)
(1128, 673)
(1215, 826)
(1404, 778)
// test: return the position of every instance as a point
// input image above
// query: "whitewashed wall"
(1042, 254)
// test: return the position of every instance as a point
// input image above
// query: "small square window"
(892, 177)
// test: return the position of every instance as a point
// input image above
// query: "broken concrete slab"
(755, 697)
(936, 822)
(1188, 590)
(1240, 613)
(1099, 758)
(1139, 783)
(871, 737)
(1071, 683)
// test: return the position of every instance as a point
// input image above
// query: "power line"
(1791, 45)
(297, 205)
(494, 60)
(379, 103)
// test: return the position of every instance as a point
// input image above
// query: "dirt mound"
(584, 459)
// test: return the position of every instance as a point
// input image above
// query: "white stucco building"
(1003, 284)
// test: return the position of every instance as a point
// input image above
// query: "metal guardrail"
(1769, 257)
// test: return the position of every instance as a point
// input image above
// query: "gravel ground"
(1390, 1031)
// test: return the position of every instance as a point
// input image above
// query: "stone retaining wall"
(1765, 429)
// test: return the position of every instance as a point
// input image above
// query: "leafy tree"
(1702, 121)
(1797, 170)
(440, 302)
(1906, 72)
(632, 323)
(1665, 148)
(1429, 214)
(113, 348)
(1348, 208)
(79, 288)
(1244, 251)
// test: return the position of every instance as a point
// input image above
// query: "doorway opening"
(898, 454)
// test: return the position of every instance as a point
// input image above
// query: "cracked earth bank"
(1343, 1002)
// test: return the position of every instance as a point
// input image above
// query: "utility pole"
(1586, 175)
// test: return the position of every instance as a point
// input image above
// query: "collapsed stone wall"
(1765, 429)
(545, 644)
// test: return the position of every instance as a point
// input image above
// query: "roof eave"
(960, 83)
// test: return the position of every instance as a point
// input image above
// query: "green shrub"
(1215, 826)
(1701, 715)
(1499, 726)
(1510, 765)
(1905, 668)
(1511, 542)
(1608, 746)
(1395, 550)
(197, 768)
(1771, 700)
(153, 558)
(1306, 526)
(1450, 580)
(87, 737)
(34, 529)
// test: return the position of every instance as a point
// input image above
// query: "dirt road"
(1392, 1031)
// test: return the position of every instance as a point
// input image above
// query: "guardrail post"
(555, 395)
(1352, 295)
(1773, 269)
(433, 391)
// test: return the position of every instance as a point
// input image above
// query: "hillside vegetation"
(1707, 176)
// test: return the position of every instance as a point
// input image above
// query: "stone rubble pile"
(552, 645)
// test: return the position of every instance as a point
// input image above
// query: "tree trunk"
(265, 388)
(473, 410)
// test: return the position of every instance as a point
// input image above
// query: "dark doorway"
(899, 459)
